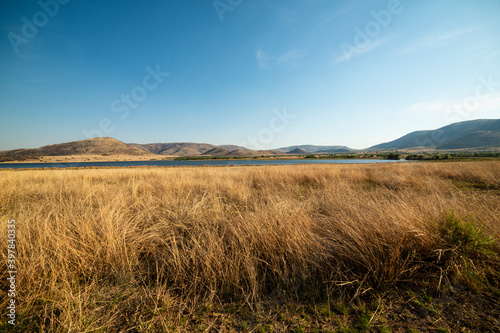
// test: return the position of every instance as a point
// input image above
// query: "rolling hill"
(234, 148)
(316, 149)
(298, 151)
(221, 152)
(217, 151)
(95, 146)
(184, 148)
(245, 153)
(485, 139)
(479, 134)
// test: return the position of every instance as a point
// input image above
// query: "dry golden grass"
(115, 249)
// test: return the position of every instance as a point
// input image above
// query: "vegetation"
(316, 248)
(455, 156)
(196, 158)
(393, 156)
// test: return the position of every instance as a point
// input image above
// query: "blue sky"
(264, 74)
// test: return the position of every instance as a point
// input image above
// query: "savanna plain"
(405, 247)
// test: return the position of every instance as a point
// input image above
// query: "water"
(192, 163)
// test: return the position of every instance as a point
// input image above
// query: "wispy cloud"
(491, 55)
(262, 59)
(288, 59)
(431, 106)
(435, 41)
(491, 103)
(468, 105)
(350, 52)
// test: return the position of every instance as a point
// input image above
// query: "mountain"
(298, 151)
(175, 148)
(95, 146)
(466, 134)
(183, 148)
(341, 151)
(485, 139)
(216, 152)
(109, 147)
(316, 149)
(240, 153)
(234, 147)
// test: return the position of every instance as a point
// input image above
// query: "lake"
(192, 163)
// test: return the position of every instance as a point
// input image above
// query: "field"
(343, 248)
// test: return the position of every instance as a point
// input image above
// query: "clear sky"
(265, 74)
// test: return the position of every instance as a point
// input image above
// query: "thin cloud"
(357, 51)
(470, 104)
(288, 59)
(435, 41)
(492, 55)
(262, 59)
(433, 106)
(492, 103)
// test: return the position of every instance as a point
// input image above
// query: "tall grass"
(108, 249)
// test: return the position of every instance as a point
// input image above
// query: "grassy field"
(343, 248)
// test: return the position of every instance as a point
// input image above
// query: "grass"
(349, 248)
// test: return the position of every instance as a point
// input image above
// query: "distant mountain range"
(197, 149)
(180, 148)
(308, 149)
(473, 134)
(480, 134)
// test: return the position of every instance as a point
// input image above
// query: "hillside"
(175, 148)
(221, 152)
(216, 152)
(298, 151)
(234, 148)
(466, 134)
(479, 139)
(316, 149)
(95, 146)
(184, 148)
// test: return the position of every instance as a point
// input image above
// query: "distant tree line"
(446, 156)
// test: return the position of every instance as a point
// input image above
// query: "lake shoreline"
(191, 163)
